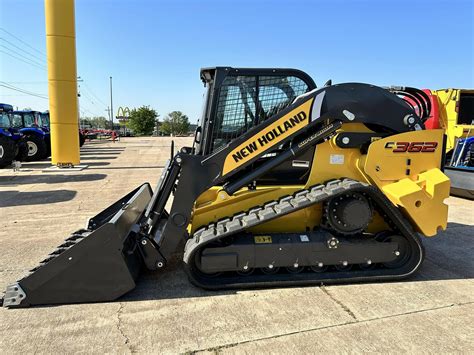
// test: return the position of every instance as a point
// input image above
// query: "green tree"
(142, 120)
(175, 123)
(85, 122)
(99, 122)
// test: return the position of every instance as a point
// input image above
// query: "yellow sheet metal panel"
(329, 162)
(263, 140)
(61, 58)
(64, 138)
(332, 162)
(422, 200)
(60, 18)
(62, 81)
(406, 168)
(448, 101)
(63, 104)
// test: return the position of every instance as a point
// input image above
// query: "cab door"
(245, 101)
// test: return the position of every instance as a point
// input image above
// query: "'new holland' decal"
(287, 125)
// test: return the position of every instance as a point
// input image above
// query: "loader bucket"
(99, 263)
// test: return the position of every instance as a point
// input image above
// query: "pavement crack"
(120, 328)
(342, 305)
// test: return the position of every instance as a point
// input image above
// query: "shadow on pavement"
(48, 164)
(103, 149)
(99, 145)
(130, 167)
(17, 198)
(48, 179)
(97, 142)
(170, 283)
(449, 257)
(97, 152)
(449, 254)
(97, 158)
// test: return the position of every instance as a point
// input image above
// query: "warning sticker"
(304, 238)
(263, 239)
(336, 159)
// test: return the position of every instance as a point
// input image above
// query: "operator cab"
(237, 100)
(25, 119)
(4, 115)
(42, 120)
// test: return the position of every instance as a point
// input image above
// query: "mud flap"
(100, 263)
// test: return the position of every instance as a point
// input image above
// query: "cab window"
(29, 119)
(4, 120)
(245, 101)
(17, 121)
(235, 109)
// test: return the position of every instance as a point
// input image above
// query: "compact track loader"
(285, 184)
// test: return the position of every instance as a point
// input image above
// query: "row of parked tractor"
(25, 135)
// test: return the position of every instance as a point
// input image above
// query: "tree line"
(144, 121)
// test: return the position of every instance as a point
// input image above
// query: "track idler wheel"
(295, 269)
(344, 266)
(319, 268)
(270, 270)
(246, 271)
(403, 253)
(369, 265)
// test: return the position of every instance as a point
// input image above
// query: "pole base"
(58, 169)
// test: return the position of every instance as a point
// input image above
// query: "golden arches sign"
(122, 114)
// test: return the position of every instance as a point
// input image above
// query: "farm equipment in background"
(12, 146)
(36, 138)
(460, 168)
(453, 110)
(286, 184)
(97, 133)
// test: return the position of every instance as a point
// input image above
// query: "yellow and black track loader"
(285, 184)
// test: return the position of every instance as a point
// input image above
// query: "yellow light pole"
(62, 81)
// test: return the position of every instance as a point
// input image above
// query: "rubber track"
(288, 204)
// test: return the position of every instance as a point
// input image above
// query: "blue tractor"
(460, 168)
(12, 145)
(37, 139)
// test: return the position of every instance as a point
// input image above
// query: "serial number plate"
(263, 239)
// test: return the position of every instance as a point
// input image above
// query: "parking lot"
(431, 312)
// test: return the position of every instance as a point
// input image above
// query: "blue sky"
(154, 49)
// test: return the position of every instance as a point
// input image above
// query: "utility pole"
(79, 80)
(111, 106)
(108, 112)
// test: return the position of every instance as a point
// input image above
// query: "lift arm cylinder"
(62, 81)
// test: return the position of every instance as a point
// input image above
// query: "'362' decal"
(412, 147)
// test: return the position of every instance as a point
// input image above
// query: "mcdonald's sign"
(123, 114)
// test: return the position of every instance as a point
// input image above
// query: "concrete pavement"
(430, 313)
